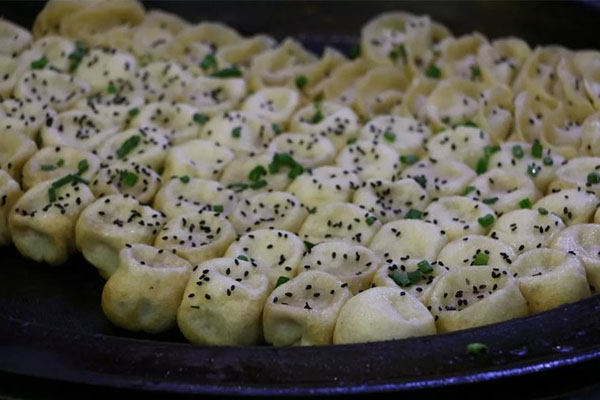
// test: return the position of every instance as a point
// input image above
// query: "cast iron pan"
(54, 337)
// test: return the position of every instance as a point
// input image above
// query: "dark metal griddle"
(54, 337)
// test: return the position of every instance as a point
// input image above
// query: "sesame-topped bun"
(174, 120)
(405, 135)
(15, 150)
(10, 192)
(13, 38)
(212, 96)
(275, 253)
(144, 292)
(272, 210)
(370, 159)
(457, 216)
(163, 81)
(310, 150)
(439, 178)
(549, 277)
(25, 116)
(350, 263)
(56, 162)
(382, 314)
(462, 143)
(60, 90)
(324, 185)
(184, 195)
(391, 200)
(303, 311)
(574, 206)
(197, 237)
(42, 222)
(223, 303)
(126, 178)
(273, 104)
(106, 225)
(578, 172)
(469, 297)
(340, 221)
(476, 250)
(197, 159)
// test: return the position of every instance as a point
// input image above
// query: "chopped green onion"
(201, 118)
(351, 141)
(258, 184)
(312, 210)
(281, 280)
(468, 190)
(482, 165)
(208, 62)
(184, 179)
(517, 151)
(465, 123)
(60, 162)
(48, 167)
(218, 208)
(490, 200)
(537, 149)
(295, 171)
(308, 245)
(445, 120)
(476, 349)
(161, 170)
(318, 117)
(489, 150)
(525, 203)
(133, 112)
(230, 72)
(424, 267)
(370, 220)
(397, 52)
(354, 52)
(256, 173)
(39, 64)
(409, 159)
(301, 81)
(533, 170)
(486, 220)
(65, 180)
(285, 160)
(238, 187)
(128, 145)
(413, 214)
(52, 194)
(475, 71)
(421, 180)
(542, 211)
(112, 89)
(481, 259)
(75, 57)
(414, 276)
(433, 72)
(236, 132)
(593, 178)
(242, 257)
(276, 129)
(82, 166)
(128, 178)
(390, 136)
(400, 278)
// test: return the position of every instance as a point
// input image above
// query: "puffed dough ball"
(60, 91)
(275, 104)
(470, 297)
(549, 277)
(10, 192)
(516, 157)
(574, 206)
(303, 311)
(440, 177)
(145, 146)
(340, 221)
(223, 303)
(44, 230)
(476, 250)
(100, 66)
(13, 38)
(11, 69)
(198, 237)
(182, 196)
(163, 81)
(309, 151)
(15, 150)
(329, 119)
(127, 178)
(109, 223)
(369, 160)
(457, 216)
(395, 274)
(404, 239)
(461, 143)
(197, 159)
(324, 185)
(174, 120)
(274, 252)
(145, 291)
(78, 129)
(56, 162)
(575, 173)
(25, 116)
(236, 175)
(382, 313)
(390, 200)
(405, 135)
(272, 210)
(583, 241)
(240, 131)
(352, 264)
(503, 190)
(526, 229)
